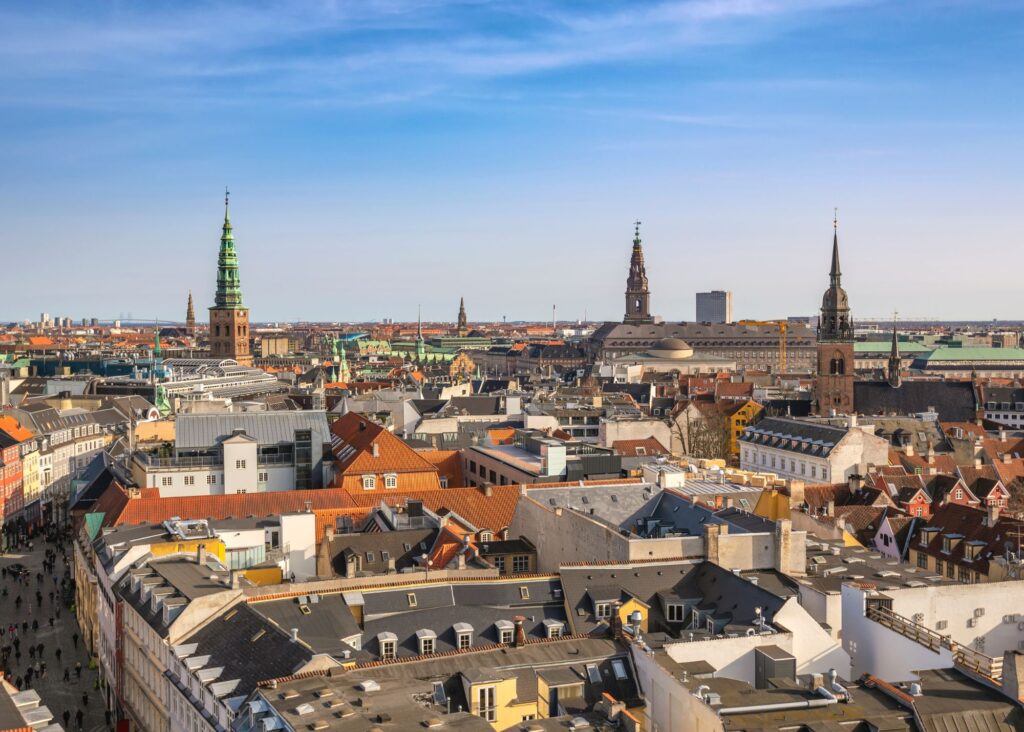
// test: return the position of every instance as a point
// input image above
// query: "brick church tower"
(638, 296)
(229, 318)
(833, 386)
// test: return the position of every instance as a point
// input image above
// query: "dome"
(672, 348)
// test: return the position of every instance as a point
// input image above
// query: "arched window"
(837, 366)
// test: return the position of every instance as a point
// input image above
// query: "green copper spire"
(158, 352)
(229, 284)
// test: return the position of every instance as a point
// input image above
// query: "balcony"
(151, 461)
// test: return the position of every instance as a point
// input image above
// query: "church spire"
(835, 274)
(895, 362)
(190, 317)
(229, 284)
(637, 293)
(463, 324)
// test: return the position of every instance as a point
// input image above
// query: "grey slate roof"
(809, 438)
(954, 401)
(616, 505)
(371, 548)
(247, 648)
(328, 621)
(200, 431)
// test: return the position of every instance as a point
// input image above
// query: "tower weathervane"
(835, 217)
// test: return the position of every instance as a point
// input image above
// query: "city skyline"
(512, 144)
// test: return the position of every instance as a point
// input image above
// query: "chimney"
(796, 493)
(851, 421)
(519, 635)
(1002, 435)
(201, 555)
(615, 621)
(295, 635)
(236, 579)
(1007, 457)
(376, 450)
(993, 514)
(830, 509)
(1013, 675)
(488, 490)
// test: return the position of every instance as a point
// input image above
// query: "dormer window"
(506, 630)
(463, 636)
(675, 613)
(388, 646)
(427, 641)
(369, 482)
(602, 610)
(553, 628)
(390, 481)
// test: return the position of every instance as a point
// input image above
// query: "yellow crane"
(783, 326)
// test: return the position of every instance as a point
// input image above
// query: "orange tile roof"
(236, 505)
(40, 341)
(501, 435)
(445, 549)
(406, 481)
(448, 464)
(14, 430)
(492, 512)
(629, 448)
(328, 518)
(353, 438)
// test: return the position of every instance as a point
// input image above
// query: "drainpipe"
(828, 700)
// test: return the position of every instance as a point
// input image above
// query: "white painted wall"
(815, 649)
(240, 470)
(670, 705)
(298, 540)
(732, 657)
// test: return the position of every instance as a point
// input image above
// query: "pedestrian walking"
(39, 650)
(78, 669)
(58, 653)
(85, 698)
(74, 639)
(67, 718)
(79, 716)
(67, 674)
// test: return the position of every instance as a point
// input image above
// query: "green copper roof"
(229, 284)
(976, 353)
(886, 346)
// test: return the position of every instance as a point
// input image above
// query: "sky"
(387, 154)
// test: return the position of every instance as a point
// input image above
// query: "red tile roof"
(353, 438)
(232, 505)
(448, 464)
(649, 446)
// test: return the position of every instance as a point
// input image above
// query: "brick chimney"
(519, 635)
(615, 622)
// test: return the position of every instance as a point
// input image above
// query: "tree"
(702, 432)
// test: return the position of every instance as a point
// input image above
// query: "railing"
(205, 461)
(963, 656)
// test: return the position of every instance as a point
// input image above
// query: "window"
(370, 557)
(240, 465)
(641, 451)
(521, 563)
(387, 650)
(391, 481)
(554, 630)
(506, 636)
(950, 570)
(964, 574)
(959, 494)
(675, 613)
(426, 646)
(486, 706)
(602, 610)
(369, 482)
(411, 597)
(938, 566)
(167, 480)
(444, 481)
(919, 512)
(211, 479)
(524, 593)
(385, 556)
(190, 480)
(619, 669)
(499, 563)
(262, 477)
(486, 536)
(465, 640)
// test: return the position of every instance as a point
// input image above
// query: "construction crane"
(783, 326)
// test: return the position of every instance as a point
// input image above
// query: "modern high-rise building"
(229, 318)
(714, 307)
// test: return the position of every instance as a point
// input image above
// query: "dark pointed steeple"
(463, 324)
(895, 363)
(190, 316)
(835, 324)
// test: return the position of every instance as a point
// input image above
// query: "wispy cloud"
(350, 51)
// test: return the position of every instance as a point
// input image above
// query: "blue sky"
(385, 153)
